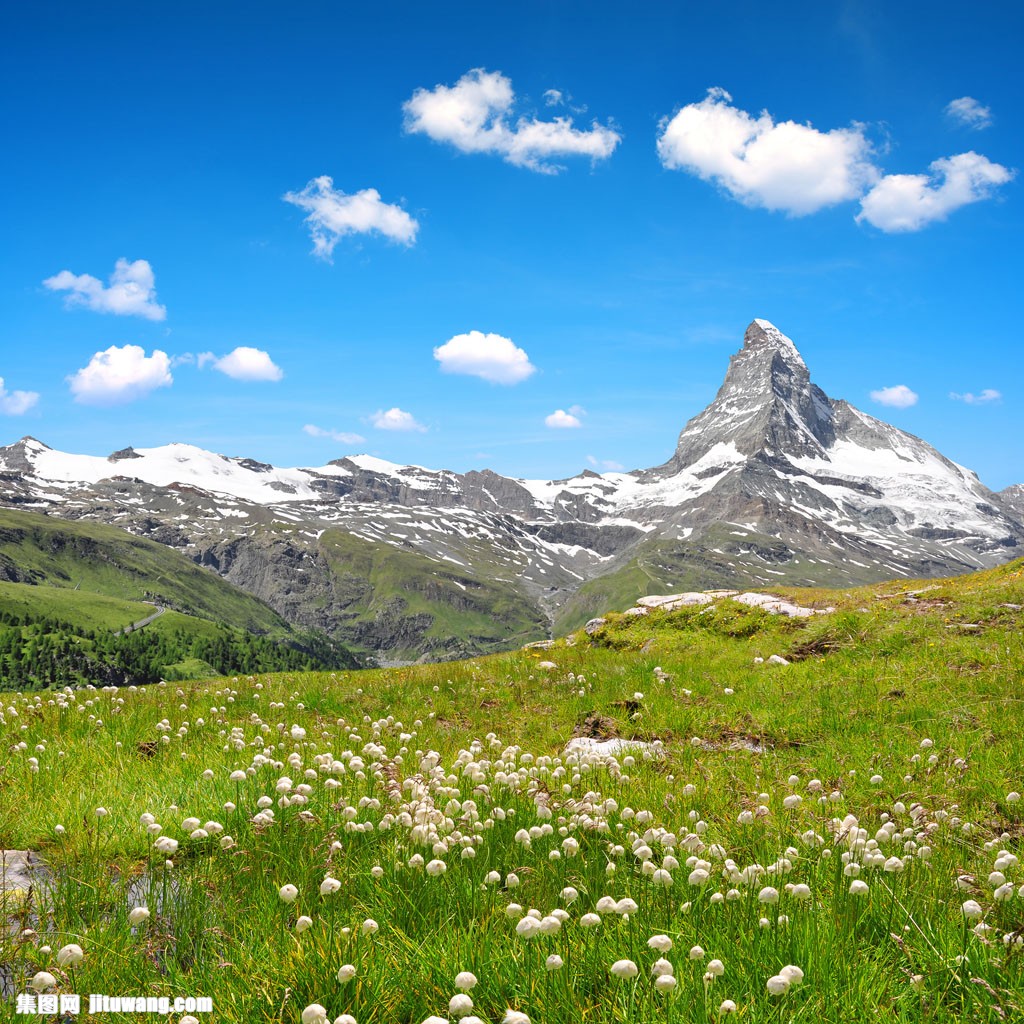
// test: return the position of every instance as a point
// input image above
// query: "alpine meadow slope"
(774, 483)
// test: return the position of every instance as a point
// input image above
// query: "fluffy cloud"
(898, 397)
(131, 292)
(608, 465)
(489, 356)
(14, 403)
(780, 166)
(243, 363)
(396, 419)
(988, 395)
(120, 375)
(475, 116)
(969, 112)
(334, 214)
(908, 202)
(341, 436)
(562, 420)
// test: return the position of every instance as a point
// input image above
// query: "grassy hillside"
(85, 609)
(104, 560)
(718, 559)
(434, 606)
(853, 814)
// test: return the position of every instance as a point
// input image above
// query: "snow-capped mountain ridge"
(772, 478)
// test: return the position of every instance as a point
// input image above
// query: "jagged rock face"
(1013, 498)
(774, 481)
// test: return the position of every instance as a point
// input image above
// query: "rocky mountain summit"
(774, 482)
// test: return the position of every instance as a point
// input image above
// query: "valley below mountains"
(773, 483)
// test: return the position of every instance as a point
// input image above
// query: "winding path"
(160, 609)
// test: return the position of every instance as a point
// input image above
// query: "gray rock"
(777, 659)
(594, 625)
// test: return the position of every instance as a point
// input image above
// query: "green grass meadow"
(853, 814)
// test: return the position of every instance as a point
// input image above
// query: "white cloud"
(780, 166)
(969, 112)
(14, 403)
(553, 98)
(489, 356)
(243, 363)
(608, 465)
(898, 397)
(562, 420)
(341, 436)
(474, 116)
(988, 395)
(120, 375)
(396, 419)
(908, 202)
(334, 214)
(131, 292)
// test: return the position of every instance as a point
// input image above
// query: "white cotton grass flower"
(70, 955)
(138, 914)
(858, 887)
(716, 968)
(728, 1006)
(43, 980)
(436, 868)
(777, 985)
(696, 953)
(342, 1018)
(971, 910)
(289, 894)
(569, 894)
(662, 943)
(314, 1014)
(346, 973)
(624, 969)
(768, 895)
(329, 885)
(661, 966)
(793, 974)
(303, 923)
(465, 980)
(369, 927)
(460, 1004)
(664, 983)
(590, 920)
(513, 1017)
(554, 963)
(434, 1019)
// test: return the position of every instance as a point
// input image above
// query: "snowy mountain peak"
(766, 403)
(762, 334)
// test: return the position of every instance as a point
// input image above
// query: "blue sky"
(552, 186)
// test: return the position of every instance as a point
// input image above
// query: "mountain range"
(774, 482)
